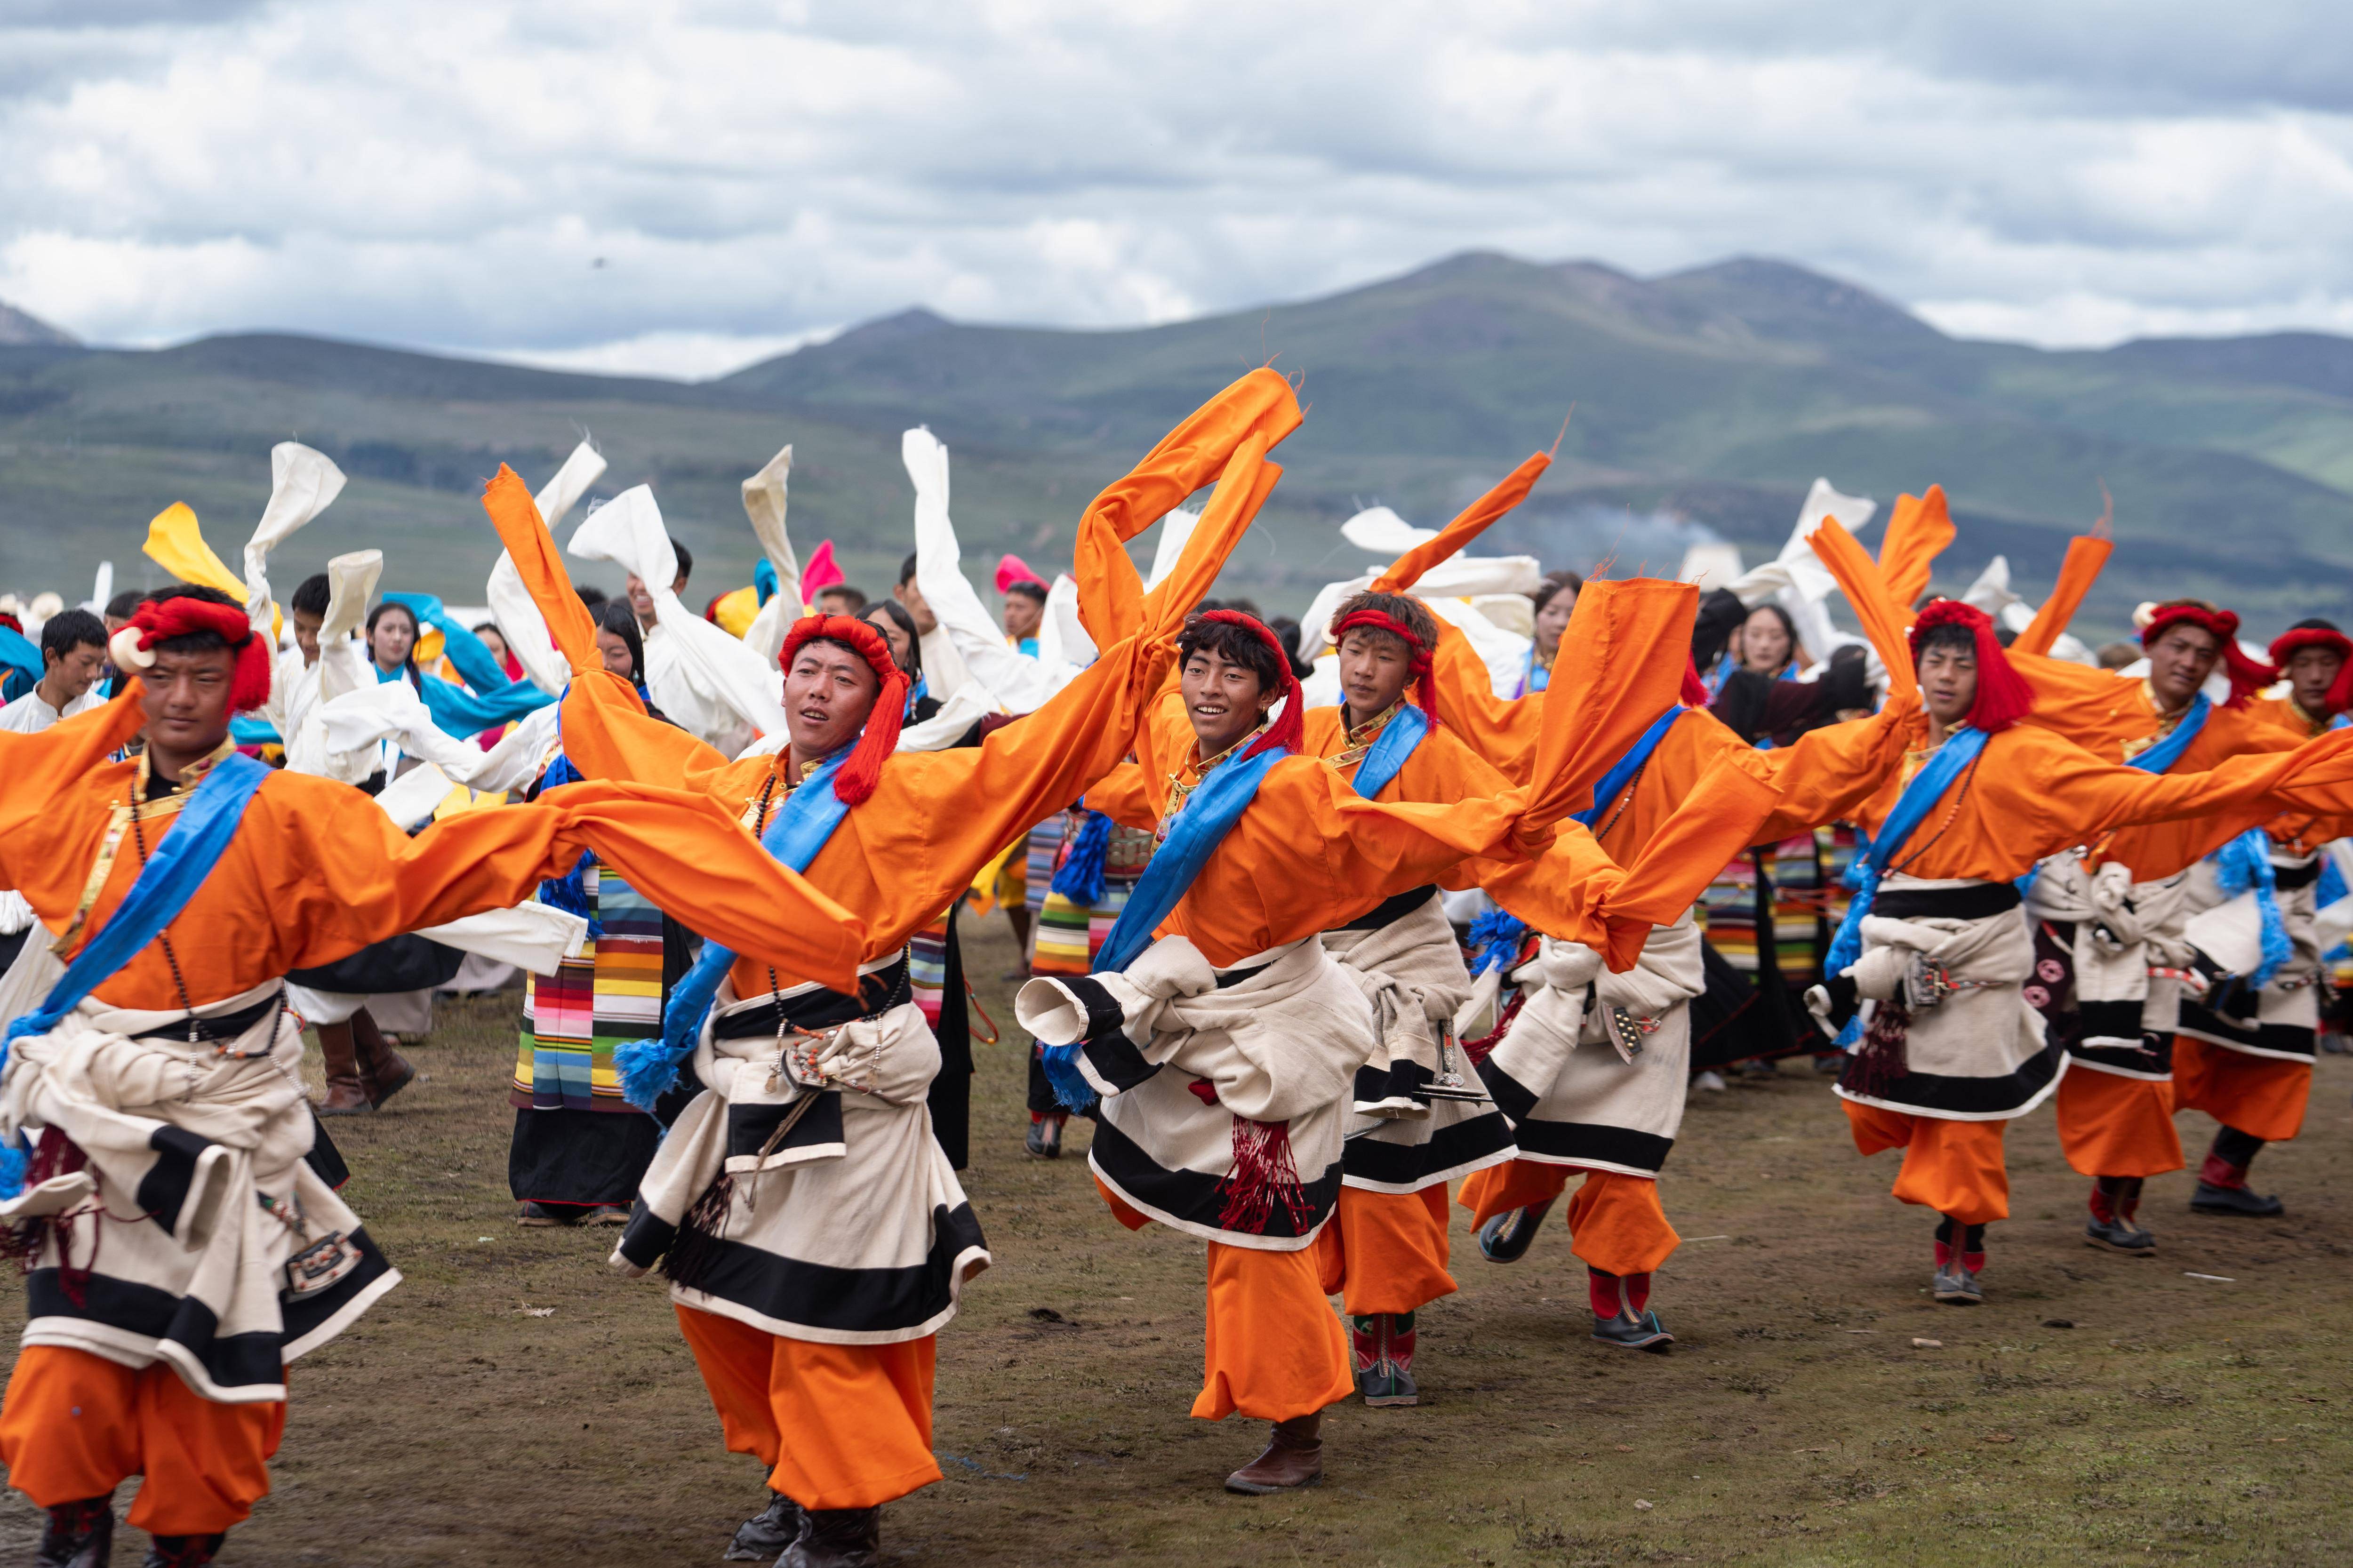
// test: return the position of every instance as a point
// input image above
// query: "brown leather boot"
(346, 1095)
(384, 1071)
(1293, 1458)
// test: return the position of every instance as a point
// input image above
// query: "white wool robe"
(1275, 1042)
(847, 1228)
(2117, 933)
(2282, 1019)
(1400, 1139)
(1974, 1052)
(1573, 1095)
(195, 1200)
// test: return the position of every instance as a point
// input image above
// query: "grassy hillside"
(1717, 395)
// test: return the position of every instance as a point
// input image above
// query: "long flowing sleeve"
(48, 819)
(361, 879)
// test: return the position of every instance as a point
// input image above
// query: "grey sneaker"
(1956, 1286)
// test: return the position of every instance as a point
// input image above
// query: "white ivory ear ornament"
(124, 650)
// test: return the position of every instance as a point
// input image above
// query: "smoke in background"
(1581, 537)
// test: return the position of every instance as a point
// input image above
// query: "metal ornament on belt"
(1451, 1082)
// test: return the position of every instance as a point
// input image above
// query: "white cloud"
(453, 174)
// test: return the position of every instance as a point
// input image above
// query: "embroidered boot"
(2114, 1199)
(837, 1538)
(1506, 1237)
(1955, 1283)
(1293, 1458)
(1383, 1347)
(1621, 1314)
(767, 1532)
(346, 1095)
(183, 1551)
(385, 1071)
(2222, 1179)
(78, 1534)
(1044, 1139)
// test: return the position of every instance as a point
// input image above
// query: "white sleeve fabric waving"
(710, 683)
(518, 618)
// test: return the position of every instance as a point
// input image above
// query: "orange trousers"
(2111, 1125)
(1386, 1252)
(74, 1425)
(859, 1416)
(2264, 1096)
(1953, 1167)
(1273, 1349)
(1616, 1222)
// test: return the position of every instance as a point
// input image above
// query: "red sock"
(1602, 1288)
(1638, 1291)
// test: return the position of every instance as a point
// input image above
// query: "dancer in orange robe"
(1226, 1053)
(171, 1088)
(828, 1383)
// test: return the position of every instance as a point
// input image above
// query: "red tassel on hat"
(2003, 695)
(1290, 731)
(862, 771)
(161, 620)
(1695, 693)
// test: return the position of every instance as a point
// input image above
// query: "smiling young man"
(815, 1336)
(1226, 1052)
(1930, 968)
(163, 1067)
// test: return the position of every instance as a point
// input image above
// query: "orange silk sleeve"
(364, 879)
(1123, 795)
(1110, 592)
(1468, 525)
(2086, 553)
(50, 822)
(1501, 730)
(1918, 533)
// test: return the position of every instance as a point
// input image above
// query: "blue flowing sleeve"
(462, 714)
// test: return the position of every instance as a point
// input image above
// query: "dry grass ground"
(515, 1404)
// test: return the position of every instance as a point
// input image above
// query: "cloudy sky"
(684, 185)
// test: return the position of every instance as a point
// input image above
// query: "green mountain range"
(1705, 399)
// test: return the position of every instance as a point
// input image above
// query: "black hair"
(125, 605)
(616, 616)
(1553, 583)
(856, 595)
(685, 559)
(1788, 627)
(590, 595)
(906, 571)
(491, 628)
(408, 665)
(906, 623)
(311, 595)
(1949, 635)
(1401, 607)
(1286, 632)
(203, 640)
(1028, 590)
(2317, 624)
(69, 629)
(1235, 644)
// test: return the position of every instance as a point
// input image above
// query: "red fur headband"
(1288, 732)
(1695, 693)
(2247, 676)
(2290, 643)
(161, 620)
(1423, 673)
(863, 770)
(2003, 695)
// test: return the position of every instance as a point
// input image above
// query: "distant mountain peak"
(916, 321)
(19, 329)
(1781, 299)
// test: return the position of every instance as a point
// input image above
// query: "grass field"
(514, 1402)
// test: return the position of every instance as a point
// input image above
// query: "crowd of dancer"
(1446, 893)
